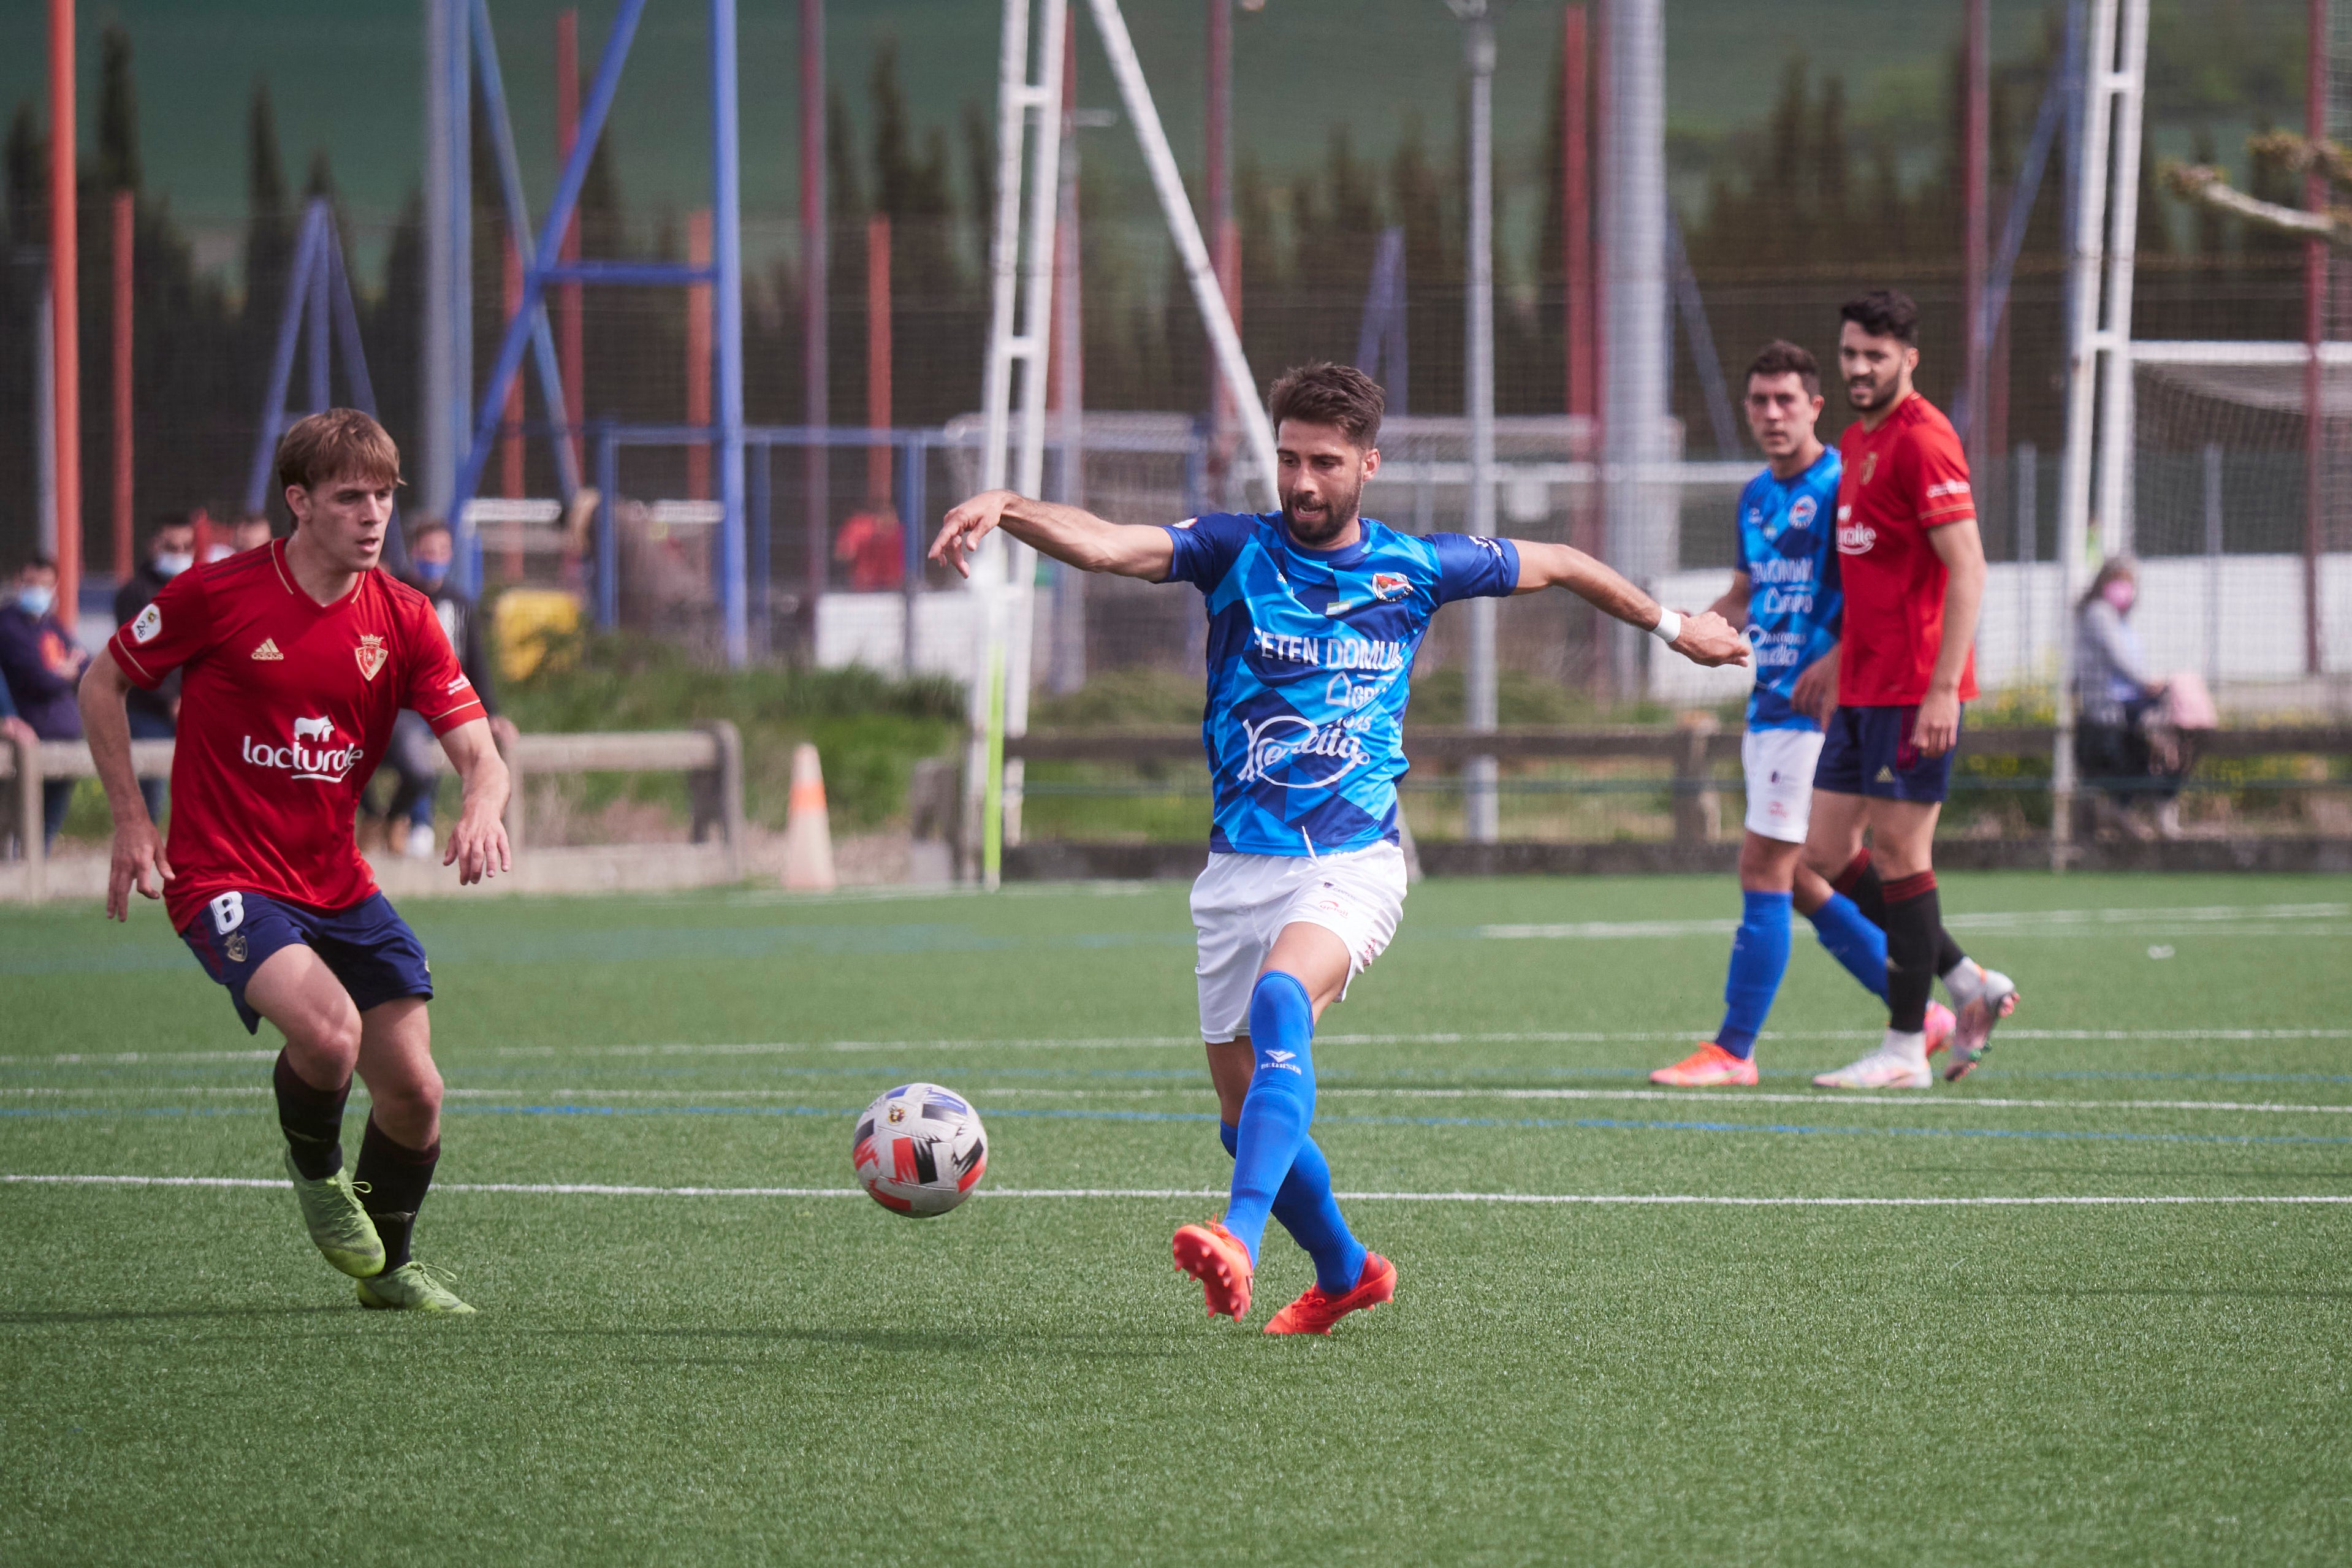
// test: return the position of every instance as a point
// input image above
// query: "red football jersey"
(1899, 480)
(286, 705)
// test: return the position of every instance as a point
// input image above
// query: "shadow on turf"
(1135, 1347)
(166, 1313)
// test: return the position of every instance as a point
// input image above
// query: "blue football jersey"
(1788, 547)
(1309, 652)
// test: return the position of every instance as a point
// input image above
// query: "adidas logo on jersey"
(268, 650)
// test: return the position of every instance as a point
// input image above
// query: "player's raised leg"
(401, 1148)
(294, 989)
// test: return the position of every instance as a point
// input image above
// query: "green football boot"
(339, 1226)
(411, 1288)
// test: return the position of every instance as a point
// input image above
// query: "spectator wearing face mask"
(155, 715)
(408, 819)
(2114, 697)
(42, 664)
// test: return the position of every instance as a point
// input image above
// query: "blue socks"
(1760, 956)
(1853, 942)
(1280, 1103)
(1306, 1208)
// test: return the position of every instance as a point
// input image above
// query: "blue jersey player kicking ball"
(1786, 590)
(1314, 615)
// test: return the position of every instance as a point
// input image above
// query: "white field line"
(600, 1189)
(2041, 923)
(1725, 1097)
(458, 1056)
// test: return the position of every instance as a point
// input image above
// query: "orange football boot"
(1314, 1313)
(1941, 1022)
(1216, 1257)
(1706, 1068)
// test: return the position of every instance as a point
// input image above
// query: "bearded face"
(1322, 483)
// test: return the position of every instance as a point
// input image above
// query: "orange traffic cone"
(808, 833)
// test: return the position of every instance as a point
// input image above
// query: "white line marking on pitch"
(458, 1054)
(600, 1189)
(995, 1092)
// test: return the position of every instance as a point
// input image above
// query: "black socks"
(313, 1120)
(392, 1179)
(1859, 882)
(1913, 917)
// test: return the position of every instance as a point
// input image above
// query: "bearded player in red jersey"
(1912, 569)
(295, 659)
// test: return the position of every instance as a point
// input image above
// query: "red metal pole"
(877, 355)
(511, 436)
(64, 307)
(1576, 206)
(568, 333)
(124, 238)
(1224, 234)
(1975, 156)
(2315, 327)
(697, 356)
(815, 317)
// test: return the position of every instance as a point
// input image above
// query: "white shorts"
(1779, 767)
(1241, 903)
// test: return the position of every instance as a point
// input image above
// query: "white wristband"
(1669, 626)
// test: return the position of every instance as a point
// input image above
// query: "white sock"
(1963, 981)
(1912, 1046)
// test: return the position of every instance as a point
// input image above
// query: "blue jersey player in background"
(1785, 589)
(1314, 615)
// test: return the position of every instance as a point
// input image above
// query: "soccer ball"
(920, 1150)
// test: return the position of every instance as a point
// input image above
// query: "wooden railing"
(710, 755)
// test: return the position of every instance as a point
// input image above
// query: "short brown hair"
(1780, 357)
(342, 442)
(1327, 393)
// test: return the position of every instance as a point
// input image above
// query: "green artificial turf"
(807, 1378)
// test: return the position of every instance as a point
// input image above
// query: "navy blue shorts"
(1868, 751)
(368, 946)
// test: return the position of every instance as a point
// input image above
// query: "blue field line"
(1596, 1123)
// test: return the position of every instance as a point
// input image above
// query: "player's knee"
(409, 1100)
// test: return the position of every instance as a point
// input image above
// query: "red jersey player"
(1912, 569)
(295, 657)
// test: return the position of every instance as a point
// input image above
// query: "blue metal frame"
(318, 310)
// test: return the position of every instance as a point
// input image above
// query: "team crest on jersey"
(1388, 585)
(371, 653)
(1802, 511)
(1869, 468)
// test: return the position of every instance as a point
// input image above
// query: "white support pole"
(1223, 339)
(2123, 244)
(1021, 276)
(1481, 808)
(2098, 332)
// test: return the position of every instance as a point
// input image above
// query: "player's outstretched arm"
(138, 849)
(1067, 533)
(1961, 548)
(478, 846)
(1706, 638)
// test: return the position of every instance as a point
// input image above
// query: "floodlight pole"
(2101, 334)
(1480, 809)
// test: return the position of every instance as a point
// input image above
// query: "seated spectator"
(170, 550)
(2117, 699)
(42, 665)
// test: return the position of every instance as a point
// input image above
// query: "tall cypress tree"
(117, 113)
(268, 231)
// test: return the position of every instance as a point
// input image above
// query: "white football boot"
(1982, 997)
(1899, 1062)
